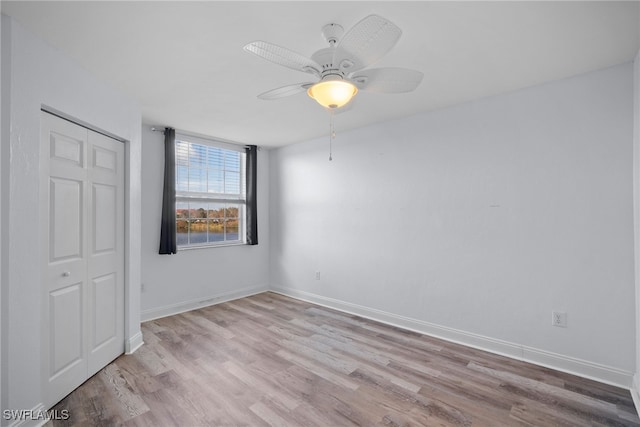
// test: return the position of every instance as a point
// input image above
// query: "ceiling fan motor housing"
(324, 58)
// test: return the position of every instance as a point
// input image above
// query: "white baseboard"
(133, 343)
(635, 388)
(181, 307)
(582, 368)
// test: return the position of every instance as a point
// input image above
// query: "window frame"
(206, 197)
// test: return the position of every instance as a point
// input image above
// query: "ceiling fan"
(341, 69)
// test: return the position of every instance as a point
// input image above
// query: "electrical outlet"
(317, 275)
(559, 318)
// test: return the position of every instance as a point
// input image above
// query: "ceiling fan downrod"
(332, 33)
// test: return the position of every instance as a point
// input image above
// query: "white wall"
(197, 277)
(41, 76)
(475, 222)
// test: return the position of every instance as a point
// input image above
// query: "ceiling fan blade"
(284, 91)
(387, 80)
(283, 56)
(365, 43)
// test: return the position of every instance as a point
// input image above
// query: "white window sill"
(220, 245)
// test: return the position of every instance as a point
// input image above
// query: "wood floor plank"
(380, 331)
(318, 369)
(325, 397)
(138, 378)
(269, 360)
(423, 407)
(129, 401)
(228, 399)
(546, 391)
(313, 391)
(151, 360)
(210, 326)
(251, 379)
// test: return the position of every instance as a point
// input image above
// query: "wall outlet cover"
(559, 318)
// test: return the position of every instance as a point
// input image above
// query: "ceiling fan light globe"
(332, 93)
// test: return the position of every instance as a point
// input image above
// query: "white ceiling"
(183, 61)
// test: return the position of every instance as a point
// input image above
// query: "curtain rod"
(237, 144)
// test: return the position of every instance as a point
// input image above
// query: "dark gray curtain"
(168, 225)
(252, 204)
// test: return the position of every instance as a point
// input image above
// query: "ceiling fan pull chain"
(332, 133)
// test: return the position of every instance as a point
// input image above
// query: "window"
(210, 193)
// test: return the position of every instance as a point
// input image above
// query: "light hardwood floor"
(272, 360)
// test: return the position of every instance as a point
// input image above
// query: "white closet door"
(82, 253)
(105, 250)
(63, 217)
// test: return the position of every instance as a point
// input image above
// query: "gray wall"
(196, 277)
(475, 222)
